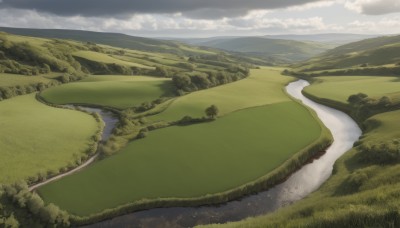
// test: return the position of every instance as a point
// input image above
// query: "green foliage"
(381, 153)
(212, 112)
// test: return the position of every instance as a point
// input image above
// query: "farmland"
(112, 91)
(35, 138)
(375, 87)
(170, 163)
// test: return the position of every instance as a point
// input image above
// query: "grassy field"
(35, 138)
(113, 91)
(372, 202)
(104, 58)
(9, 80)
(263, 86)
(359, 193)
(339, 88)
(190, 161)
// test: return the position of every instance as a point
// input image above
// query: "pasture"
(263, 86)
(36, 138)
(339, 88)
(190, 161)
(10, 80)
(104, 58)
(112, 91)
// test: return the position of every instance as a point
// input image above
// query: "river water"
(345, 132)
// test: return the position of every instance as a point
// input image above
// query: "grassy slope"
(35, 138)
(375, 52)
(373, 205)
(113, 91)
(284, 49)
(263, 86)
(104, 58)
(375, 87)
(171, 162)
(9, 80)
(338, 203)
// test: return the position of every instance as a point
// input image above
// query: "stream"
(306, 180)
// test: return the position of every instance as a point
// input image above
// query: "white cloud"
(388, 25)
(373, 7)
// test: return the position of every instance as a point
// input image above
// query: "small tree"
(212, 112)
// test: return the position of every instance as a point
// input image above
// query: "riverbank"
(312, 175)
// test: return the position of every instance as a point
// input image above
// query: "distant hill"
(370, 52)
(112, 39)
(284, 50)
(332, 38)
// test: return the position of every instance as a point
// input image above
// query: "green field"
(35, 138)
(104, 58)
(9, 80)
(263, 86)
(339, 88)
(190, 161)
(112, 91)
(359, 193)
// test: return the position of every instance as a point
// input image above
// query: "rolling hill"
(374, 52)
(283, 50)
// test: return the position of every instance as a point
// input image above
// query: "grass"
(104, 58)
(263, 86)
(112, 91)
(373, 201)
(10, 80)
(372, 205)
(190, 161)
(339, 88)
(35, 138)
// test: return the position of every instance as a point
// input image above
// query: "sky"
(206, 18)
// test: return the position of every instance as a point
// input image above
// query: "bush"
(382, 153)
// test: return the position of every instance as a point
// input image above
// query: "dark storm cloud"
(118, 8)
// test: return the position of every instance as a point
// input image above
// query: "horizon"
(202, 19)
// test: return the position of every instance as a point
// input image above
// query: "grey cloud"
(119, 8)
(381, 7)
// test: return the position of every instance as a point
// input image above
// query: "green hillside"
(284, 50)
(374, 52)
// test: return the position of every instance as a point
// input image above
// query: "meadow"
(263, 86)
(364, 188)
(104, 58)
(190, 161)
(10, 80)
(36, 138)
(339, 88)
(112, 91)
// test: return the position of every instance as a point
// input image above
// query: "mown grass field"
(35, 138)
(104, 58)
(338, 203)
(190, 161)
(339, 88)
(112, 91)
(263, 86)
(9, 80)
(359, 193)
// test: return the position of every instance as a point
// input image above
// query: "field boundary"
(276, 176)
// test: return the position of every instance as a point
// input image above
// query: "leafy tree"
(212, 111)
(357, 99)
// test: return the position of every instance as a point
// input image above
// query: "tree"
(212, 111)
(356, 99)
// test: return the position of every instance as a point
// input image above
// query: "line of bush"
(263, 183)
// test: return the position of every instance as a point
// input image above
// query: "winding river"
(345, 132)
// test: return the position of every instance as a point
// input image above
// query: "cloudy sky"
(203, 18)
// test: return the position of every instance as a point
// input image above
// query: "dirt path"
(83, 165)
